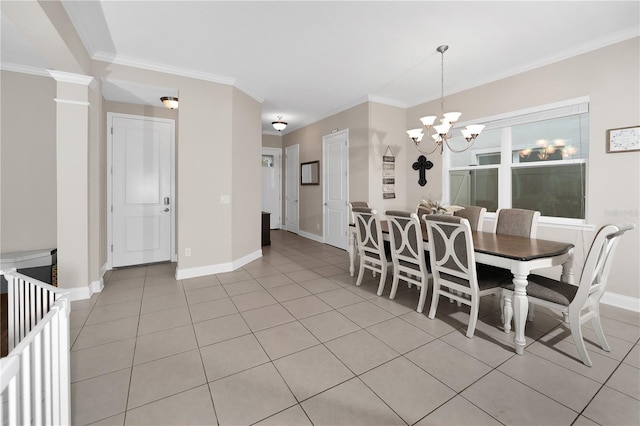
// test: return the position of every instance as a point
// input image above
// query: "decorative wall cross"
(421, 165)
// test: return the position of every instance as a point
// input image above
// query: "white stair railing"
(34, 376)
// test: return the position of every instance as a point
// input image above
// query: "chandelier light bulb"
(428, 120)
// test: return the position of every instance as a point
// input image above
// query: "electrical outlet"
(224, 199)
(187, 252)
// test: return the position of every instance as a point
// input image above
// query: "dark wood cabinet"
(266, 228)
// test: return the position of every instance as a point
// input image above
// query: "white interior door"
(335, 149)
(141, 190)
(272, 184)
(292, 161)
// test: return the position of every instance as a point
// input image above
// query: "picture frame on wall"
(623, 139)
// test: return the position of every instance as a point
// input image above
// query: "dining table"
(520, 255)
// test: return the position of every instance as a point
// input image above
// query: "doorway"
(335, 152)
(140, 190)
(272, 185)
(292, 164)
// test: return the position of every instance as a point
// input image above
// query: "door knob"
(166, 210)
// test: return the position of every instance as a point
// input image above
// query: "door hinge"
(111, 129)
(111, 208)
(111, 247)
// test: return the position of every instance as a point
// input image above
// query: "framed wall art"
(624, 139)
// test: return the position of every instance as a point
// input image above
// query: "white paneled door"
(292, 164)
(335, 149)
(141, 190)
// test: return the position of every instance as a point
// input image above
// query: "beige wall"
(309, 138)
(246, 200)
(387, 129)
(609, 76)
(28, 162)
(271, 141)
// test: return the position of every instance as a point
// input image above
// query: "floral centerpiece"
(436, 208)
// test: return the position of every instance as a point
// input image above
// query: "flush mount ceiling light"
(170, 102)
(442, 132)
(279, 125)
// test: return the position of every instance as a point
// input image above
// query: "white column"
(72, 168)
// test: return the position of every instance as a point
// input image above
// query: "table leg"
(567, 270)
(520, 311)
(351, 249)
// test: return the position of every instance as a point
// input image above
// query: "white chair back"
(595, 272)
(474, 214)
(353, 204)
(370, 244)
(407, 252)
(519, 222)
(451, 250)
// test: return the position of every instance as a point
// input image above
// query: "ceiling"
(307, 60)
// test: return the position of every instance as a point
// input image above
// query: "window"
(267, 160)
(534, 161)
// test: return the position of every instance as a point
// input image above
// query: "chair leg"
(423, 295)
(576, 333)
(394, 285)
(383, 277)
(597, 328)
(434, 300)
(473, 318)
(360, 274)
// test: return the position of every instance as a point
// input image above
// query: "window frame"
(505, 122)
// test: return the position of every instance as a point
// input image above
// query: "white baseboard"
(621, 301)
(183, 274)
(81, 293)
(310, 236)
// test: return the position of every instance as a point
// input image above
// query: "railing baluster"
(55, 361)
(25, 379)
(35, 374)
(37, 378)
(11, 301)
(47, 375)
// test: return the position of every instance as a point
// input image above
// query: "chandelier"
(442, 132)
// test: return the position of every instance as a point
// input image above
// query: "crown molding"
(618, 37)
(24, 69)
(386, 101)
(163, 68)
(68, 77)
(168, 69)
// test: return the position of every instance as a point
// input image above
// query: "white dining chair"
(370, 245)
(519, 222)
(453, 266)
(474, 214)
(581, 303)
(353, 204)
(407, 253)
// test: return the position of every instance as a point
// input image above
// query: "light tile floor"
(290, 340)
